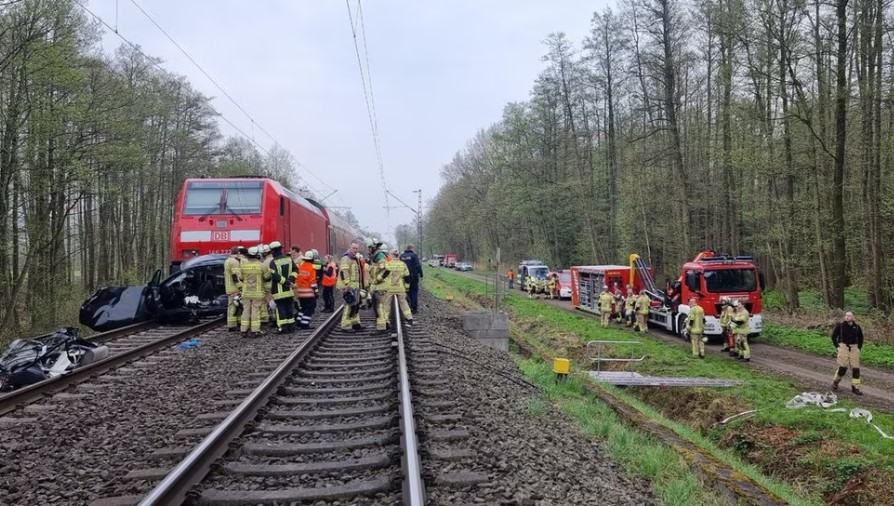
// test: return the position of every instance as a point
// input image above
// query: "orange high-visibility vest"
(307, 281)
(330, 280)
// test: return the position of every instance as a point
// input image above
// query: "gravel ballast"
(528, 458)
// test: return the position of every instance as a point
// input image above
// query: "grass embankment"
(822, 456)
(809, 327)
(819, 343)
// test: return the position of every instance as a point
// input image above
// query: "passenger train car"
(213, 215)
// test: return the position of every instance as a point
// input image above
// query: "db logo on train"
(220, 235)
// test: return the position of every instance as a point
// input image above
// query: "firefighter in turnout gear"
(695, 325)
(605, 306)
(531, 285)
(232, 287)
(281, 289)
(848, 340)
(551, 286)
(267, 260)
(642, 311)
(252, 275)
(630, 308)
(741, 329)
(377, 286)
(306, 290)
(726, 327)
(350, 280)
(394, 276)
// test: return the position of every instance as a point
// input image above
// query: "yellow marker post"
(561, 366)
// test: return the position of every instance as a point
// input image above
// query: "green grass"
(812, 301)
(541, 324)
(670, 478)
(820, 343)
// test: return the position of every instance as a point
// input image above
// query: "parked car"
(195, 291)
(434, 263)
(564, 284)
(463, 266)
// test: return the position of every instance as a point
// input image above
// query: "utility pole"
(418, 219)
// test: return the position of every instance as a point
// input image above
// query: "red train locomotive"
(213, 215)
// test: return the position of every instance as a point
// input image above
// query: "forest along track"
(126, 345)
(810, 370)
(336, 424)
(114, 434)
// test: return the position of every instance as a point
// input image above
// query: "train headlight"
(189, 253)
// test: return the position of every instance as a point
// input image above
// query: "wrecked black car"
(195, 291)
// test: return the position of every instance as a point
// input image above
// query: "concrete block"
(490, 329)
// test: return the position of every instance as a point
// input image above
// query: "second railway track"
(126, 345)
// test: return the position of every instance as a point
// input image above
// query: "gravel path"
(530, 457)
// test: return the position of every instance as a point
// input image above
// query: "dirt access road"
(812, 372)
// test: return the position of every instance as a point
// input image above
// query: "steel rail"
(32, 393)
(413, 487)
(193, 468)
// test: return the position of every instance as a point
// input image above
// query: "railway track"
(334, 421)
(126, 345)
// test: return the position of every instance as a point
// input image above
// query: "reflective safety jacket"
(695, 322)
(231, 278)
(330, 274)
(394, 276)
(349, 276)
(377, 276)
(726, 317)
(252, 275)
(629, 303)
(642, 304)
(283, 277)
(740, 321)
(307, 281)
(268, 264)
(605, 302)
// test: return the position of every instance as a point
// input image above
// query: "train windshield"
(731, 280)
(223, 197)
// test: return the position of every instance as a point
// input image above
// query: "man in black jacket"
(410, 258)
(848, 340)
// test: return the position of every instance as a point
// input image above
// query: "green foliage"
(538, 323)
(820, 343)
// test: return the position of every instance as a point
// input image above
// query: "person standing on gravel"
(411, 259)
(741, 329)
(848, 340)
(350, 280)
(605, 306)
(232, 286)
(695, 324)
(642, 311)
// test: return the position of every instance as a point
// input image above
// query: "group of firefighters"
(265, 280)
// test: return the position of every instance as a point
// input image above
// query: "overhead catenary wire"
(369, 98)
(254, 123)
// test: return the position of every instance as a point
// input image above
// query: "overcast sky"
(440, 72)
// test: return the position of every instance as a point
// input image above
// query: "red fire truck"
(587, 282)
(708, 278)
(213, 215)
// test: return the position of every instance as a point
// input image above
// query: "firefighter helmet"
(265, 249)
(253, 251)
(308, 255)
(275, 245)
